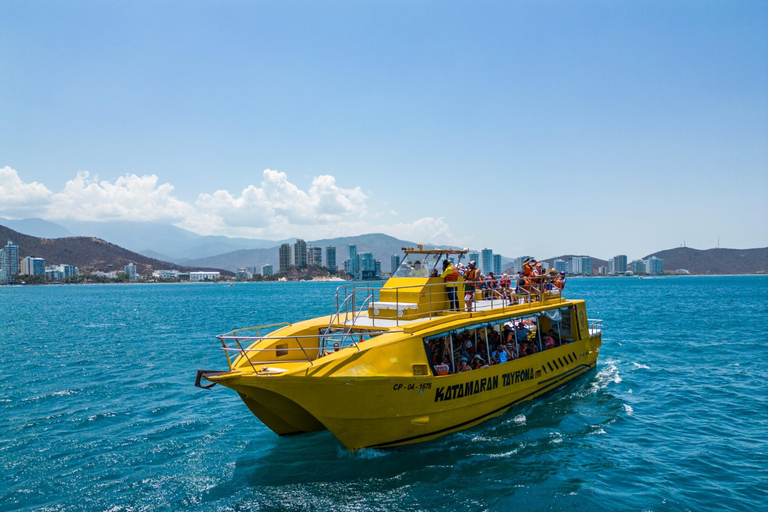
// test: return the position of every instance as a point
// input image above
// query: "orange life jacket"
(442, 369)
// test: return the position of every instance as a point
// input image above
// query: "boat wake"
(608, 375)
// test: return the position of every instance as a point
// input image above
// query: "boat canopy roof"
(420, 262)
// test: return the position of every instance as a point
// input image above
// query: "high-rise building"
(473, 256)
(638, 267)
(9, 261)
(394, 262)
(367, 265)
(330, 258)
(352, 265)
(497, 264)
(315, 256)
(130, 269)
(580, 265)
(300, 253)
(284, 257)
(267, 270)
(654, 266)
(486, 261)
(32, 266)
(617, 264)
(561, 266)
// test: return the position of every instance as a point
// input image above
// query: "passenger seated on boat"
(521, 332)
(528, 348)
(481, 353)
(419, 270)
(549, 342)
(336, 347)
(493, 338)
(502, 354)
(555, 337)
(464, 365)
(478, 362)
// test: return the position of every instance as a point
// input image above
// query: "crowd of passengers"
(470, 348)
(532, 280)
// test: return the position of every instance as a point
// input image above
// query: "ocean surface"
(98, 410)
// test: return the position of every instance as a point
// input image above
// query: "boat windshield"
(420, 264)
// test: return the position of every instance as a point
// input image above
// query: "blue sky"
(541, 128)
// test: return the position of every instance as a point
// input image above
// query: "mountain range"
(89, 254)
(155, 245)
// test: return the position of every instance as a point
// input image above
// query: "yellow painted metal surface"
(381, 392)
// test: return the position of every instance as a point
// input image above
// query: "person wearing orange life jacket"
(451, 276)
(528, 266)
(470, 278)
(560, 282)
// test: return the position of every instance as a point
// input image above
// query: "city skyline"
(640, 127)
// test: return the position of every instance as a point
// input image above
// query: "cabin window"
(281, 350)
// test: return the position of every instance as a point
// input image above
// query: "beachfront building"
(330, 258)
(32, 266)
(486, 261)
(352, 265)
(63, 272)
(394, 262)
(580, 265)
(561, 266)
(166, 274)
(204, 276)
(130, 270)
(638, 266)
(284, 257)
(300, 253)
(654, 266)
(315, 256)
(497, 264)
(617, 265)
(244, 274)
(267, 270)
(474, 256)
(9, 261)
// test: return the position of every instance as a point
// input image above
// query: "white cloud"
(19, 199)
(278, 201)
(130, 197)
(426, 229)
(274, 209)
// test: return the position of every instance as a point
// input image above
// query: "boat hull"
(379, 411)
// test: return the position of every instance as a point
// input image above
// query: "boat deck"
(479, 305)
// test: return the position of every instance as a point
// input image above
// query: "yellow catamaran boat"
(394, 364)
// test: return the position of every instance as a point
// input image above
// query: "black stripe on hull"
(554, 382)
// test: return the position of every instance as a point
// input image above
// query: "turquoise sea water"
(98, 410)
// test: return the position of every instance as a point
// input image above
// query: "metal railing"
(350, 300)
(595, 325)
(311, 346)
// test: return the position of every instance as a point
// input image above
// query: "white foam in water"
(606, 376)
(370, 453)
(639, 366)
(628, 409)
(502, 455)
(520, 419)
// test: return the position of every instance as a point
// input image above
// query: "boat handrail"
(232, 342)
(595, 325)
(498, 300)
